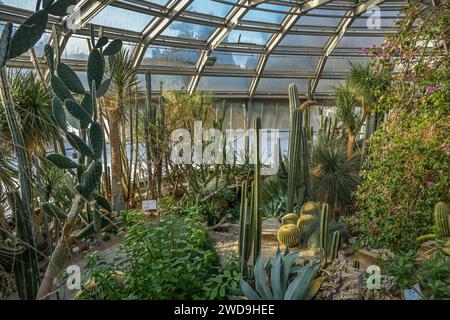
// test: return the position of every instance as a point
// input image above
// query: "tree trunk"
(61, 253)
(117, 195)
(351, 143)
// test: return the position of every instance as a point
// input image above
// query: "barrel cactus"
(441, 219)
(289, 235)
(304, 221)
(290, 218)
(311, 208)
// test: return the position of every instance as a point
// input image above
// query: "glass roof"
(248, 47)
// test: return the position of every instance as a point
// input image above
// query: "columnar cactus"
(250, 221)
(289, 235)
(256, 212)
(335, 245)
(290, 218)
(323, 241)
(441, 219)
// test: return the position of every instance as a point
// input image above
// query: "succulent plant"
(310, 207)
(441, 219)
(272, 280)
(304, 220)
(289, 235)
(290, 218)
(335, 245)
(356, 264)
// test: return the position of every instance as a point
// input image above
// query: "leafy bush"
(171, 260)
(432, 275)
(406, 172)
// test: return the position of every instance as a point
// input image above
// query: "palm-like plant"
(8, 173)
(33, 105)
(123, 80)
(334, 174)
(347, 112)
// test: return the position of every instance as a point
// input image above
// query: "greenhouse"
(224, 150)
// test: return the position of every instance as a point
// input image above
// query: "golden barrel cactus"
(290, 218)
(289, 235)
(310, 207)
(304, 220)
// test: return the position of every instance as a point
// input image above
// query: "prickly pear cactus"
(290, 218)
(84, 175)
(289, 235)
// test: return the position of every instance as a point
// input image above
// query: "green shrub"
(432, 275)
(171, 260)
(404, 176)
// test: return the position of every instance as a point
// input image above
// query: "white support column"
(156, 27)
(342, 28)
(231, 21)
(289, 21)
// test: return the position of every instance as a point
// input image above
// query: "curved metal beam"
(342, 28)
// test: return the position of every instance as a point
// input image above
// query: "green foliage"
(432, 274)
(171, 260)
(346, 107)
(33, 106)
(406, 172)
(274, 281)
(334, 174)
(220, 285)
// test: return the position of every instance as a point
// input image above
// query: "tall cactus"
(323, 235)
(22, 207)
(250, 220)
(441, 219)
(335, 245)
(257, 217)
(87, 174)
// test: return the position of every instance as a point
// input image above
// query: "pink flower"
(430, 184)
(432, 89)
(445, 149)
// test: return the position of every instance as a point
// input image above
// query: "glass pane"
(342, 64)
(304, 41)
(168, 56)
(166, 82)
(267, 16)
(76, 49)
(326, 85)
(230, 60)
(320, 17)
(210, 7)
(359, 42)
(281, 85)
(223, 84)
(248, 37)
(23, 4)
(188, 30)
(122, 19)
(291, 63)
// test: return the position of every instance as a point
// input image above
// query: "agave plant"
(334, 174)
(281, 280)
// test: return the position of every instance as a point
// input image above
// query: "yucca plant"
(334, 173)
(33, 102)
(282, 280)
(123, 80)
(347, 111)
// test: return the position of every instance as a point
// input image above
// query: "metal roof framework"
(310, 19)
